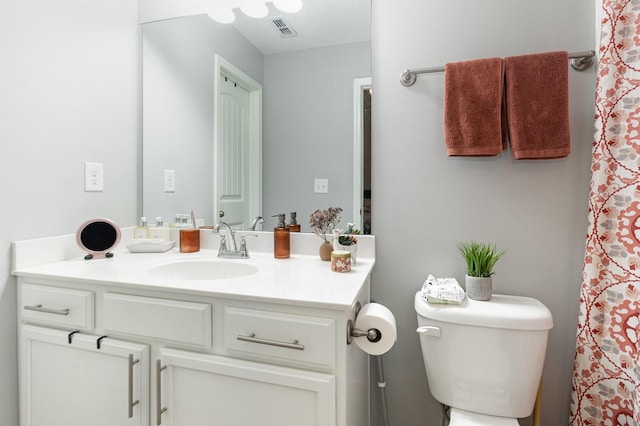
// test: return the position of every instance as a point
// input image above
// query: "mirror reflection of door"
(237, 173)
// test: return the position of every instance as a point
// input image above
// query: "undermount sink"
(202, 269)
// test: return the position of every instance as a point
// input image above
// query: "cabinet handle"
(253, 339)
(132, 403)
(159, 411)
(40, 308)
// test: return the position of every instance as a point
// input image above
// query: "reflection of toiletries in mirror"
(141, 231)
(159, 231)
(294, 226)
(179, 222)
(281, 239)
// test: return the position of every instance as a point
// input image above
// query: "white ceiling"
(319, 23)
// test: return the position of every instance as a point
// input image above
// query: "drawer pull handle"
(40, 308)
(132, 403)
(253, 339)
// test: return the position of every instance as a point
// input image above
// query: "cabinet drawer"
(164, 319)
(280, 337)
(57, 306)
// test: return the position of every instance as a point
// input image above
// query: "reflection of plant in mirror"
(323, 221)
(348, 239)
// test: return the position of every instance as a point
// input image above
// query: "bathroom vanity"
(149, 339)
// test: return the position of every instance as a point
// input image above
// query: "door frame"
(224, 67)
(359, 84)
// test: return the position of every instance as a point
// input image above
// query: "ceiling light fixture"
(288, 6)
(223, 16)
(254, 9)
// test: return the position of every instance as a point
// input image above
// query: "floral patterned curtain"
(606, 379)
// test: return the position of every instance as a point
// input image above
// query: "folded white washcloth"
(442, 290)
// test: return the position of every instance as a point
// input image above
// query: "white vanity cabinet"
(203, 389)
(183, 359)
(66, 380)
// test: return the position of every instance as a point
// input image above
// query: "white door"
(77, 384)
(204, 390)
(237, 146)
(233, 153)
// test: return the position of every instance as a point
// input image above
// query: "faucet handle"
(223, 244)
(243, 244)
(243, 248)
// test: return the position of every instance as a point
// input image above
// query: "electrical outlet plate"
(93, 177)
(169, 180)
(321, 186)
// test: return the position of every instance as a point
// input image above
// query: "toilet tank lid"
(502, 311)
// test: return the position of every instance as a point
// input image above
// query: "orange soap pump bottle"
(281, 239)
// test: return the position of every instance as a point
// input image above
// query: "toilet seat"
(467, 418)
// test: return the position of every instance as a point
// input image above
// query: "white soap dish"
(154, 245)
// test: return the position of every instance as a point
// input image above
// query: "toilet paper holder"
(373, 334)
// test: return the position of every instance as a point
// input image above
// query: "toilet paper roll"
(374, 315)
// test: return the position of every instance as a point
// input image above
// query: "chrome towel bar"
(580, 61)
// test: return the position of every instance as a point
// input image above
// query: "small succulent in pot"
(480, 258)
(348, 237)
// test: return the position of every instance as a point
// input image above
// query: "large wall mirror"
(254, 117)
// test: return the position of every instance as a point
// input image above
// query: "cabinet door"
(77, 384)
(202, 389)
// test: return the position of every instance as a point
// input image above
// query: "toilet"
(484, 359)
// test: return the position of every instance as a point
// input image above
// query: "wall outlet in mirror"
(169, 180)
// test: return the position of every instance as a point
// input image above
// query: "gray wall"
(425, 202)
(69, 85)
(177, 77)
(308, 128)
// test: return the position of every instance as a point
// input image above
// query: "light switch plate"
(93, 177)
(321, 186)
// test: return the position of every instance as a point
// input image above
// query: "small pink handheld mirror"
(97, 237)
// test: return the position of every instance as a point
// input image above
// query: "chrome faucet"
(232, 251)
(256, 220)
(223, 242)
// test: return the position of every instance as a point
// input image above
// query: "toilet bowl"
(484, 359)
(467, 418)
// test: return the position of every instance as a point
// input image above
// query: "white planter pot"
(478, 288)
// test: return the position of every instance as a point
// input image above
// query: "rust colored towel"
(474, 122)
(537, 98)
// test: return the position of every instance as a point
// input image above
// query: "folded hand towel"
(537, 98)
(442, 290)
(473, 107)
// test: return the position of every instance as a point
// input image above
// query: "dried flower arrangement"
(323, 221)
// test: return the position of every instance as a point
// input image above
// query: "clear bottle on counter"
(141, 231)
(159, 231)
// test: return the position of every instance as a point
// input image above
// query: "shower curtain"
(606, 377)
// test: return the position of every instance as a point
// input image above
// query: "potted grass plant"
(480, 258)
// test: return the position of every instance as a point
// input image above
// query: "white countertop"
(303, 279)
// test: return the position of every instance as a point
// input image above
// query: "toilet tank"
(485, 356)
